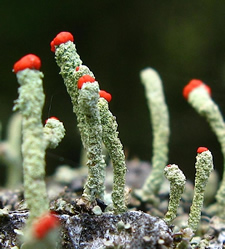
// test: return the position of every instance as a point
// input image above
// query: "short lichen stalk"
(198, 95)
(177, 183)
(88, 99)
(160, 127)
(204, 166)
(115, 150)
(54, 132)
(30, 104)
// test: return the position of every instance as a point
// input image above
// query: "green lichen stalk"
(177, 183)
(88, 99)
(201, 101)
(204, 166)
(160, 127)
(54, 132)
(30, 104)
(72, 70)
(68, 60)
(10, 152)
(115, 149)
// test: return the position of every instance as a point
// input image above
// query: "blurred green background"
(116, 39)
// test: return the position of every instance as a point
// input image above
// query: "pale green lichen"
(87, 100)
(30, 104)
(204, 166)
(71, 70)
(68, 60)
(54, 132)
(160, 126)
(201, 101)
(115, 149)
(10, 151)
(177, 183)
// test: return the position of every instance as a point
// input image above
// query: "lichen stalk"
(68, 60)
(177, 183)
(160, 126)
(115, 150)
(88, 99)
(204, 166)
(30, 104)
(54, 132)
(200, 99)
(10, 151)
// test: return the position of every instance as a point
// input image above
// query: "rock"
(84, 231)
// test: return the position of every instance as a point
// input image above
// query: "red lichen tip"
(192, 85)
(30, 61)
(62, 37)
(84, 79)
(201, 149)
(105, 95)
(55, 118)
(77, 68)
(44, 225)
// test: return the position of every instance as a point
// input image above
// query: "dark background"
(116, 39)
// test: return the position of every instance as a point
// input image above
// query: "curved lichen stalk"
(160, 126)
(198, 96)
(177, 183)
(72, 71)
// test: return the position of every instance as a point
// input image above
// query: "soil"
(142, 226)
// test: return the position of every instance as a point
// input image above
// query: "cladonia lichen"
(160, 126)
(87, 100)
(204, 166)
(199, 98)
(115, 149)
(30, 104)
(177, 183)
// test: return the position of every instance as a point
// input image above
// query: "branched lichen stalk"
(160, 126)
(204, 166)
(88, 99)
(177, 183)
(30, 104)
(115, 149)
(202, 102)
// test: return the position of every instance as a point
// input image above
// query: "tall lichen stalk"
(71, 70)
(88, 99)
(160, 126)
(30, 104)
(94, 127)
(115, 149)
(200, 99)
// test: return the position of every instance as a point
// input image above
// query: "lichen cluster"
(98, 126)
